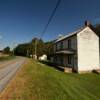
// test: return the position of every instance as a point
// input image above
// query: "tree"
(6, 50)
(97, 29)
(37, 46)
(22, 49)
(48, 48)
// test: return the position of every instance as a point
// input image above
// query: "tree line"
(36, 45)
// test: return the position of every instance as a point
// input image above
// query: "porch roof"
(65, 52)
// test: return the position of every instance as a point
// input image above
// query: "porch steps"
(65, 69)
(96, 71)
(68, 70)
(60, 67)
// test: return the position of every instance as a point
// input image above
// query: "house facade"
(78, 50)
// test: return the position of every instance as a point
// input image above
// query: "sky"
(22, 20)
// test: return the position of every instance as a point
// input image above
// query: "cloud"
(1, 36)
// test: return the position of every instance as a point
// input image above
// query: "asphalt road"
(8, 71)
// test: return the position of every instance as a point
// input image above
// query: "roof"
(70, 34)
(65, 52)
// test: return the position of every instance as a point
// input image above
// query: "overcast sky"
(21, 20)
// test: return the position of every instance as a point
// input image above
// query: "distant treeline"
(37, 45)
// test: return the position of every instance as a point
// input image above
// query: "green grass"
(4, 58)
(41, 82)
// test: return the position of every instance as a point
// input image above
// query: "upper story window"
(56, 48)
(69, 43)
(61, 45)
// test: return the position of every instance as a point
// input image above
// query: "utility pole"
(36, 42)
(27, 53)
(14, 45)
(13, 51)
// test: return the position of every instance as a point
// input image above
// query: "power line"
(51, 17)
(45, 28)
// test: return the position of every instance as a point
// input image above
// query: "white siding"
(88, 50)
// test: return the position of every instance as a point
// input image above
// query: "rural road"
(8, 71)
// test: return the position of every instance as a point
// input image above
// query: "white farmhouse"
(78, 50)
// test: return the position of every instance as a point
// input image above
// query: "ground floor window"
(59, 60)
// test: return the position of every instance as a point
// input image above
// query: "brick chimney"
(87, 23)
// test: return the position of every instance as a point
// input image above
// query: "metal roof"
(69, 35)
(65, 52)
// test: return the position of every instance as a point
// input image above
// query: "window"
(69, 43)
(62, 61)
(69, 59)
(61, 45)
(56, 48)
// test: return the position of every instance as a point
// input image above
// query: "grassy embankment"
(36, 81)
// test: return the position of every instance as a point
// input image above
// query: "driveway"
(9, 70)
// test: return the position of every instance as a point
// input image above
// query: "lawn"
(5, 58)
(36, 81)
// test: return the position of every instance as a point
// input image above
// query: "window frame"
(69, 43)
(69, 59)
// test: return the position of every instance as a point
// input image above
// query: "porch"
(66, 69)
(65, 60)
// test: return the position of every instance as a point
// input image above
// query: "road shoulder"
(13, 84)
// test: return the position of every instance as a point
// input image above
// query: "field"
(36, 81)
(5, 58)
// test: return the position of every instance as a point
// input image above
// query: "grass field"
(36, 81)
(4, 58)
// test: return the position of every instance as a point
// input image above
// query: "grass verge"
(5, 58)
(36, 81)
